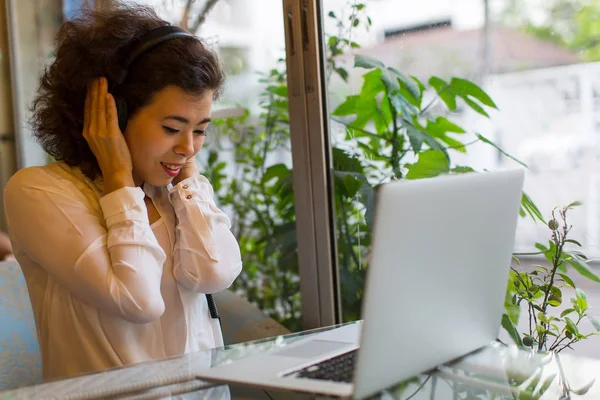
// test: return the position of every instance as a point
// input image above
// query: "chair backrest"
(242, 321)
(20, 359)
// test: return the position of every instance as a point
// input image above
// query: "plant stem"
(434, 100)
(556, 262)
(527, 254)
(530, 319)
(346, 231)
(203, 14)
(374, 135)
(394, 160)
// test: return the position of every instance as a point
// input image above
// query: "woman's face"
(166, 133)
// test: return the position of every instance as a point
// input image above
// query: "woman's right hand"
(101, 131)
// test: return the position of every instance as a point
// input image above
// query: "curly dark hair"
(92, 44)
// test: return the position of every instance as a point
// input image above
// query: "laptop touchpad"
(312, 349)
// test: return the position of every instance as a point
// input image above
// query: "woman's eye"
(200, 132)
(170, 130)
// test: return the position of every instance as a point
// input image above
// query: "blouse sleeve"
(207, 256)
(112, 263)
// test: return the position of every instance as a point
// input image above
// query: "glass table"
(496, 372)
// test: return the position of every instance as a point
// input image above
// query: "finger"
(112, 120)
(86, 110)
(102, 89)
(93, 117)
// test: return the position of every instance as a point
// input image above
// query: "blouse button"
(185, 186)
(189, 196)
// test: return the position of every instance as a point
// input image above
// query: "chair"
(242, 321)
(20, 359)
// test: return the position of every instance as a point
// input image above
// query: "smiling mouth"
(171, 169)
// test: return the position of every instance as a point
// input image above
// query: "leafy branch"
(541, 290)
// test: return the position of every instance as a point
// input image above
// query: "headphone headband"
(145, 43)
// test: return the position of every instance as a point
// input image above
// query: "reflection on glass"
(247, 154)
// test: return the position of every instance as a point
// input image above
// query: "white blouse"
(107, 288)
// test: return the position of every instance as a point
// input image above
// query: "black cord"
(267, 393)
(419, 389)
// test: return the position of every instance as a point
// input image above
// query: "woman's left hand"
(188, 170)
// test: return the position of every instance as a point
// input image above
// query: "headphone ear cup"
(122, 113)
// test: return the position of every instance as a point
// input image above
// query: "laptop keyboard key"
(337, 369)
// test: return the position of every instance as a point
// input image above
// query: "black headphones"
(145, 43)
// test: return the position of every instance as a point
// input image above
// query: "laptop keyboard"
(338, 369)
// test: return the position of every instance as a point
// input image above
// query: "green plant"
(540, 290)
(394, 134)
(259, 194)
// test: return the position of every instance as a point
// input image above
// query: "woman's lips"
(169, 168)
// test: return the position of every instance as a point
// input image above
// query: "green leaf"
(212, 157)
(511, 306)
(575, 242)
(345, 162)
(410, 84)
(511, 329)
(566, 312)
(444, 91)
(386, 110)
(421, 87)
(463, 170)
(555, 302)
(401, 104)
(582, 267)
(574, 204)
(465, 88)
(372, 84)
(367, 197)
(362, 61)
(275, 171)
(430, 163)
(580, 294)
(541, 247)
(348, 107)
(442, 125)
(390, 81)
(352, 184)
(333, 41)
(417, 137)
(342, 73)
(476, 107)
(571, 327)
(594, 322)
(567, 280)
(279, 90)
(331, 14)
(488, 141)
(529, 207)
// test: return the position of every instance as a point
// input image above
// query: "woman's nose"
(185, 146)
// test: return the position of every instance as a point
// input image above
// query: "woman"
(120, 239)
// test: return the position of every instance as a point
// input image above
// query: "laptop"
(435, 289)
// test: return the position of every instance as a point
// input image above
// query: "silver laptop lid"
(438, 273)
